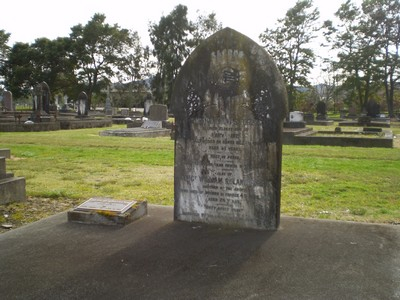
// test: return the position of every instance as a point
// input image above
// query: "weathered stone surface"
(229, 102)
(5, 153)
(8, 103)
(83, 108)
(110, 213)
(12, 189)
(158, 112)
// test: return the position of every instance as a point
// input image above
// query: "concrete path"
(157, 258)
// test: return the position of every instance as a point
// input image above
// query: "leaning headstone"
(8, 101)
(229, 103)
(82, 104)
(158, 112)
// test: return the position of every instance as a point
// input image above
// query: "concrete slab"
(157, 258)
(136, 132)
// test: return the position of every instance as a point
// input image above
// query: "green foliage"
(203, 27)
(169, 38)
(98, 49)
(18, 70)
(289, 46)
(173, 38)
(4, 48)
(367, 43)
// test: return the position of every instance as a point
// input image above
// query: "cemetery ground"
(64, 168)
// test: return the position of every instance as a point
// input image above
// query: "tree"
(44, 60)
(98, 50)
(170, 39)
(289, 46)
(203, 27)
(51, 64)
(134, 73)
(355, 39)
(18, 70)
(384, 15)
(4, 50)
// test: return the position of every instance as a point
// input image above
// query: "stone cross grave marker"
(229, 103)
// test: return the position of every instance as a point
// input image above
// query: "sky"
(27, 20)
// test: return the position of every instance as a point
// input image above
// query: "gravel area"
(15, 215)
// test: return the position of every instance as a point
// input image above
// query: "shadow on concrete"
(157, 258)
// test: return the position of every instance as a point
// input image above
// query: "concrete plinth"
(12, 190)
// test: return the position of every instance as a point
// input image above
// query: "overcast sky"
(28, 20)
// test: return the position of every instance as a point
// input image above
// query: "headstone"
(158, 112)
(108, 108)
(147, 104)
(229, 102)
(8, 101)
(352, 112)
(296, 116)
(41, 101)
(321, 110)
(373, 109)
(82, 104)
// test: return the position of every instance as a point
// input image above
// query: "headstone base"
(12, 189)
(297, 124)
(108, 217)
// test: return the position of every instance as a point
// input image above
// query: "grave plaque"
(106, 211)
(229, 103)
(106, 204)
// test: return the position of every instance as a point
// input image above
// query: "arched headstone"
(82, 104)
(41, 98)
(229, 102)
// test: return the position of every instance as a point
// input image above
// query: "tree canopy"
(289, 45)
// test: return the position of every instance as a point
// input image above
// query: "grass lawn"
(64, 168)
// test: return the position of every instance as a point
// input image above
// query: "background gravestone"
(147, 104)
(8, 101)
(158, 112)
(229, 103)
(373, 109)
(82, 104)
(321, 110)
(41, 101)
